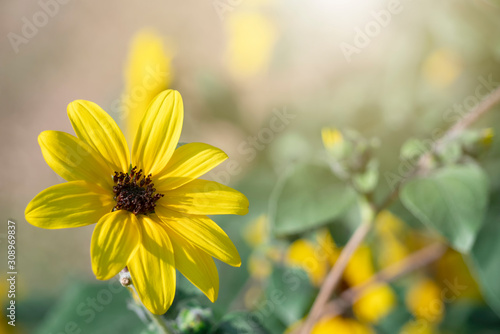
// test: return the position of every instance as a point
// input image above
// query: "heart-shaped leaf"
(308, 196)
(452, 200)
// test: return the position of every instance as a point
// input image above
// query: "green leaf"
(289, 295)
(452, 200)
(412, 148)
(486, 256)
(92, 308)
(240, 322)
(308, 196)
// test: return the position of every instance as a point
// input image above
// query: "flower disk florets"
(135, 192)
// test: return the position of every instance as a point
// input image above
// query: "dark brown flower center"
(135, 192)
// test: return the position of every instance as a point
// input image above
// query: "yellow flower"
(314, 258)
(451, 268)
(303, 254)
(259, 267)
(341, 326)
(327, 247)
(378, 301)
(331, 138)
(250, 43)
(360, 266)
(148, 73)
(257, 231)
(389, 229)
(375, 304)
(487, 137)
(442, 67)
(418, 326)
(150, 218)
(424, 301)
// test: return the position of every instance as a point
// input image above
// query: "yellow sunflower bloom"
(149, 206)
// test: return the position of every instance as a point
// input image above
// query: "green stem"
(157, 320)
(160, 324)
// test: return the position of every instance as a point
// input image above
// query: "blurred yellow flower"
(360, 267)
(375, 304)
(251, 39)
(442, 67)
(304, 254)
(487, 136)
(151, 218)
(331, 138)
(387, 224)
(256, 232)
(339, 325)
(451, 270)
(424, 301)
(327, 247)
(274, 253)
(259, 267)
(252, 297)
(148, 72)
(378, 301)
(389, 228)
(419, 326)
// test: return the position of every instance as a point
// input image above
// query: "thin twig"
(413, 262)
(484, 106)
(357, 238)
(335, 274)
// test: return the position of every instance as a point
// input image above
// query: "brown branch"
(335, 274)
(413, 262)
(483, 107)
(357, 238)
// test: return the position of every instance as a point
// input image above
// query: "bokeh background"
(237, 65)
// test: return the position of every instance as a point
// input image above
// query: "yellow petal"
(71, 204)
(201, 197)
(188, 162)
(203, 233)
(148, 72)
(196, 265)
(114, 242)
(73, 159)
(159, 132)
(152, 268)
(96, 128)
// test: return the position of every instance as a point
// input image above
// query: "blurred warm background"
(389, 69)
